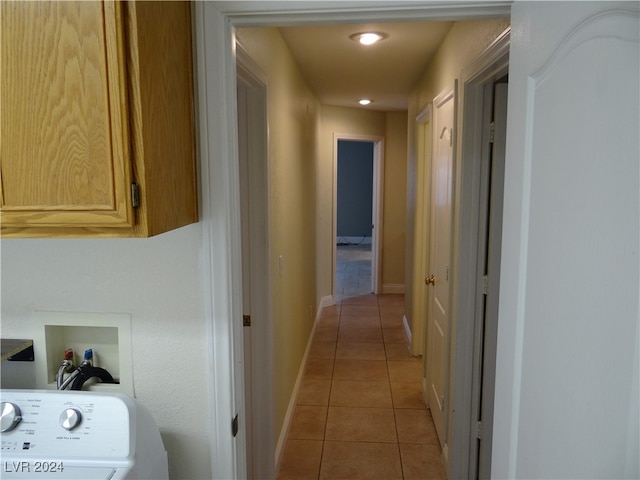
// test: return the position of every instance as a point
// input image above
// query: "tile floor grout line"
(326, 419)
(325, 455)
(401, 465)
(393, 406)
(371, 442)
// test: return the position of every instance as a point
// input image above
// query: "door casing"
(422, 219)
(215, 80)
(378, 184)
(492, 64)
(254, 182)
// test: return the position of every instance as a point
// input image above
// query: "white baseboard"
(424, 392)
(288, 418)
(407, 329)
(393, 288)
(325, 302)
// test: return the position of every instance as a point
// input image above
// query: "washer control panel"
(10, 416)
(47, 424)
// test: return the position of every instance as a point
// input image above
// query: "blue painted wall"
(355, 188)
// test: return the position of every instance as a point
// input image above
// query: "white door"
(438, 324)
(568, 333)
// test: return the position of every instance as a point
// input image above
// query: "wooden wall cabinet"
(96, 98)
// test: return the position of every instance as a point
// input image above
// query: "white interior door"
(438, 324)
(568, 335)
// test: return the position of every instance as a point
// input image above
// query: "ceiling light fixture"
(365, 101)
(368, 38)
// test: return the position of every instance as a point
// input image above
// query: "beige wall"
(395, 203)
(464, 42)
(462, 45)
(391, 126)
(293, 123)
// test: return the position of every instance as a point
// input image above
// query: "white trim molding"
(215, 99)
(293, 400)
(407, 331)
(326, 301)
(425, 114)
(488, 66)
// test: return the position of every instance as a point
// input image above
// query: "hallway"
(360, 413)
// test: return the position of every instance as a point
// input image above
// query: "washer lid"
(30, 470)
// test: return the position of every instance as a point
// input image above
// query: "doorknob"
(430, 280)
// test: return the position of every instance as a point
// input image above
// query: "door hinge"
(135, 195)
(246, 320)
(485, 285)
(492, 132)
(451, 137)
(234, 426)
(479, 429)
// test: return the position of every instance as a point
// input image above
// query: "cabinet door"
(65, 157)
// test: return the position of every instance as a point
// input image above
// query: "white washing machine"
(75, 435)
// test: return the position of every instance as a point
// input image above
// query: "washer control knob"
(70, 418)
(10, 416)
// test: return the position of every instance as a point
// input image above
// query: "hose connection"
(65, 367)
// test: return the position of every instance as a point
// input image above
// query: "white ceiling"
(341, 71)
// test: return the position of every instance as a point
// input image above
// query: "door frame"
(259, 408)
(422, 223)
(487, 294)
(215, 100)
(492, 64)
(376, 212)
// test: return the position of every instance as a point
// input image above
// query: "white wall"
(158, 281)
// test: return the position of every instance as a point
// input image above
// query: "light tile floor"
(353, 270)
(360, 413)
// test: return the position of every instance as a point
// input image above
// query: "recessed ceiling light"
(368, 38)
(365, 101)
